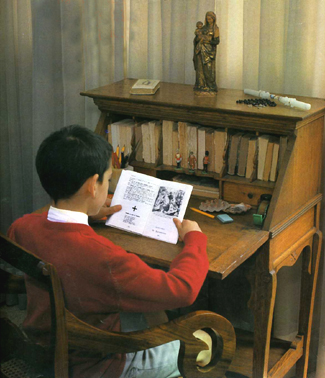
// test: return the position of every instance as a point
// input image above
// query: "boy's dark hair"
(68, 157)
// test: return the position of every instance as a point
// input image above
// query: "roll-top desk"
(291, 226)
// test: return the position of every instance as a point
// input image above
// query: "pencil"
(115, 162)
(202, 212)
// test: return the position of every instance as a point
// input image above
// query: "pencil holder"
(116, 173)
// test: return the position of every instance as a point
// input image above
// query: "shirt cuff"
(195, 237)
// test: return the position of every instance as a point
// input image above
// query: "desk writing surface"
(229, 245)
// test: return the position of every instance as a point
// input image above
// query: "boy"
(103, 284)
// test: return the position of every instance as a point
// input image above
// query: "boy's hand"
(185, 227)
(105, 211)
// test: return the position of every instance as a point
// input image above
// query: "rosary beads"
(257, 102)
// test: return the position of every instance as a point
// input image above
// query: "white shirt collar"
(66, 216)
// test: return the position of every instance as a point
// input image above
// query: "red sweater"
(100, 279)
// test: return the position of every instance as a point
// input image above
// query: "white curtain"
(52, 50)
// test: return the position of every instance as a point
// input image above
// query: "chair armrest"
(86, 337)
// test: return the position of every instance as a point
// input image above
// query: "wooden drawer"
(237, 192)
(292, 235)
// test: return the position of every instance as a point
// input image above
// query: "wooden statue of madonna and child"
(205, 51)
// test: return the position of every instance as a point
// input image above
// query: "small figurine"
(206, 161)
(191, 161)
(198, 40)
(178, 158)
(199, 26)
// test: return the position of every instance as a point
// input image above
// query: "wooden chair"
(70, 332)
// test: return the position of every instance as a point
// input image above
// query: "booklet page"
(171, 202)
(136, 193)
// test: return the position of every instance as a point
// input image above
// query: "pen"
(118, 154)
(124, 160)
(202, 212)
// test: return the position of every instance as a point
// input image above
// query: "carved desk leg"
(263, 307)
(310, 267)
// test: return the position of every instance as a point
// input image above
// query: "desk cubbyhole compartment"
(236, 192)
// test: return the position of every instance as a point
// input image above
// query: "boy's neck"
(76, 203)
(85, 200)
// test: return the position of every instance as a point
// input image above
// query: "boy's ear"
(91, 185)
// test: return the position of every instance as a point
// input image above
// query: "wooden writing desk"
(290, 229)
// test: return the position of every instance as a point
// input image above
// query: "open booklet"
(149, 205)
